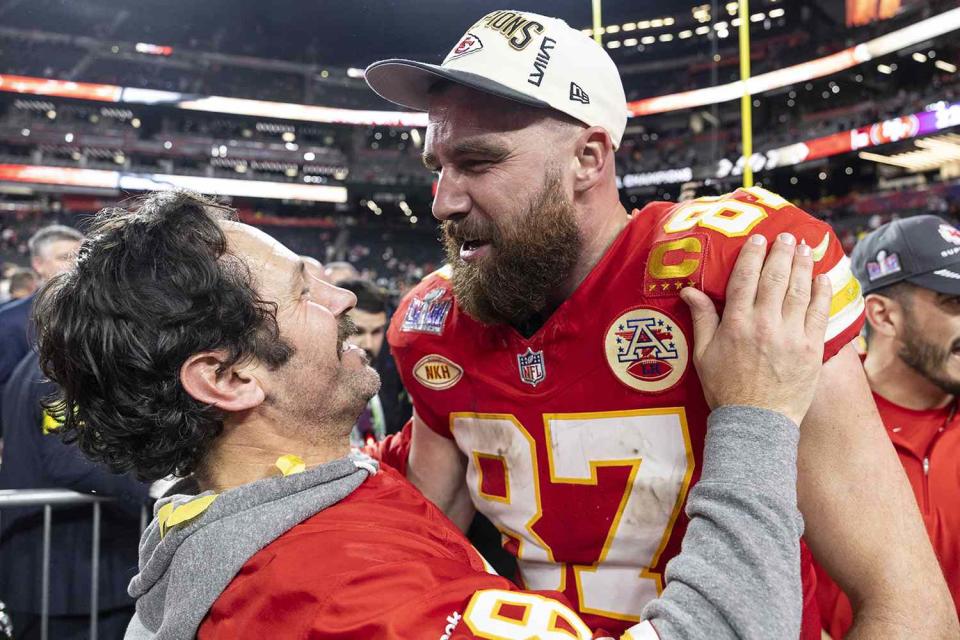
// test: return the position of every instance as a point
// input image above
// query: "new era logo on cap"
(578, 94)
(525, 57)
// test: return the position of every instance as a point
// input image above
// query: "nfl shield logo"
(532, 370)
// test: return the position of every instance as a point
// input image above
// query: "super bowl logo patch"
(436, 372)
(468, 44)
(532, 368)
(646, 350)
(885, 265)
(429, 313)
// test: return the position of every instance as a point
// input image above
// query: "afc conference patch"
(429, 313)
(646, 350)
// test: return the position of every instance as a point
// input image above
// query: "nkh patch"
(436, 372)
(427, 314)
(885, 265)
(646, 350)
(532, 367)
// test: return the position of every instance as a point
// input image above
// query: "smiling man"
(548, 362)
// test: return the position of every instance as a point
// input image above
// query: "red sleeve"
(419, 337)
(394, 450)
(702, 238)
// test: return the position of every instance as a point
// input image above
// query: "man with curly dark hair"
(187, 343)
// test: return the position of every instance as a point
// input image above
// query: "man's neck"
(599, 228)
(246, 453)
(891, 378)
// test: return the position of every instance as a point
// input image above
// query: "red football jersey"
(384, 564)
(583, 440)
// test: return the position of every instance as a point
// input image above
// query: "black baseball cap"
(922, 250)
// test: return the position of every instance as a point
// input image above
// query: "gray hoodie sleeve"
(738, 574)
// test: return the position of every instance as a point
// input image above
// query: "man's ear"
(594, 158)
(232, 389)
(885, 315)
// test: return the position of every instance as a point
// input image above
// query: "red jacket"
(928, 443)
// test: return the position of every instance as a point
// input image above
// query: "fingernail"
(803, 249)
(786, 238)
(823, 279)
(758, 239)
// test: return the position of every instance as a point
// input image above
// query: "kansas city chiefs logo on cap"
(468, 44)
(949, 233)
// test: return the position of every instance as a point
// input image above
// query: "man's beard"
(926, 358)
(531, 258)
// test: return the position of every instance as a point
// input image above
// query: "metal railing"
(48, 499)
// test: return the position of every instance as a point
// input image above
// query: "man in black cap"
(910, 273)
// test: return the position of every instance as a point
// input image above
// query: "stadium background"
(267, 108)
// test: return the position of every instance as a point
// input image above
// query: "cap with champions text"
(529, 58)
(922, 250)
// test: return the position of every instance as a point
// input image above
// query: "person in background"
(53, 250)
(390, 409)
(36, 458)
(279, 531)
(23, 283)
(910, 272)
(337, 272)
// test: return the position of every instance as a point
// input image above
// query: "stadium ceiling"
(338, 32)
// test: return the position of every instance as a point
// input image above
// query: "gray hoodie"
(738, 575)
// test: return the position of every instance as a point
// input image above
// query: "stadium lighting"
(288, 136)
(68, 137)
(835, 88)
(793, 180)
(613, 44)
(735, 22)
(943, 65)
(630, 42)
(613, 28)
(353, 72)
(823, 175)
(167, 145)
(52, 114)
(309, 156)
(135, 123)
(700, 31)
(701, 13)
(413, 219)
(668, 22)
(586, 32)
(629, 26)
(721, 26)
(415, 136)
(657, 23)
(776, 13)
(643, 24)
(723, 34)
(758, 17)
(292, 146)
(25, 133)
(686, 33)
(919, 57)
(733, 7)
(666, 37)
(848, 171)
(648, 40)
(885, 69)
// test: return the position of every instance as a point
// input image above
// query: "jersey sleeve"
(417, 342)
(700, 240)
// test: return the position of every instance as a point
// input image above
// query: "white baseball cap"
(529, 58)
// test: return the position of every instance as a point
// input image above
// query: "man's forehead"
(255, 245)
(473, 112)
